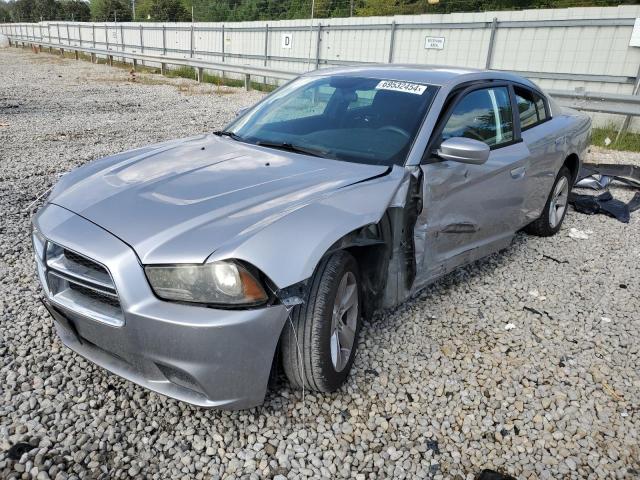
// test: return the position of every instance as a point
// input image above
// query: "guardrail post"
(122, 42)
(164, 39)
(627, 120)
(392, 41)
(62, 52)
(77, 55)
(199, 72)
(223, 52)
(266, 49)
(49, 34)
(163, 68)
(68, 36)
(80, 34)
(492, 39)
(110, 60)
(135, 64)
(191, 43)
(247, 82)
(142, 41)
(318, 38)
(223, 43)
(93, 58)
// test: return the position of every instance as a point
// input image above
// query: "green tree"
(75, 10)
(5, 12)
(45, 10)
(163, 11)
(110, 10)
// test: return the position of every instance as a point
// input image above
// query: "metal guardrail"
(197, 64)
(597, 102)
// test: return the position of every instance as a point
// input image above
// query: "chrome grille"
(82, 285)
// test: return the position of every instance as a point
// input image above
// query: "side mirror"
(242, 111)
(464, 150)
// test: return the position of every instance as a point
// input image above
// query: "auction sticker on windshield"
(406, 87)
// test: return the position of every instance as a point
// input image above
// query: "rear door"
(544, 143)
(472, 210)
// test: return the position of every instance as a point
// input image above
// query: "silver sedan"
(198, 266)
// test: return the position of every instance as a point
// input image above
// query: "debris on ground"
(578, 234)
(599, 177)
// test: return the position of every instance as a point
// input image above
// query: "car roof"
(440, 75)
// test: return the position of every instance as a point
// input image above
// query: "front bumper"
(203, 356)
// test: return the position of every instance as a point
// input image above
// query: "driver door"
(473, 210)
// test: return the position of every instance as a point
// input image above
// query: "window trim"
(545, 102)
(457, 95)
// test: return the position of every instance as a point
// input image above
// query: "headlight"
(224, 283)
(39, 243)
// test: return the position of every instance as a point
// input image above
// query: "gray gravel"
(527, 362)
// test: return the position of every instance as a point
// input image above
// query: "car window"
(530, 107)
(351, 118)
(312, 102)
(363, 99)
(483, 115)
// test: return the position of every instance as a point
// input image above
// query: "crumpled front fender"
(287, 250)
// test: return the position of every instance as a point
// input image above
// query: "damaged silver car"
(196, 266)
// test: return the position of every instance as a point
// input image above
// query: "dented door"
(470, 210)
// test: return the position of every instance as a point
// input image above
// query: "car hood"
(180, 201)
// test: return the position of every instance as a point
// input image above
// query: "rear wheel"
(555, 209)
(320, 339)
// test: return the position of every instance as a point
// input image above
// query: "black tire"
(542, 227)
(305, 343)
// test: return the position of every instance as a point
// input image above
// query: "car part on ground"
(603, 203)
(599, 176)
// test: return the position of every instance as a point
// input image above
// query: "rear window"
(530, 107)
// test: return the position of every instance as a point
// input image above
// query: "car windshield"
(356, 119)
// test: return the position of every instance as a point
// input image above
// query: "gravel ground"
(527, 362)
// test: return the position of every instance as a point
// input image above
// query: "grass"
(188, 72)
(628, 141)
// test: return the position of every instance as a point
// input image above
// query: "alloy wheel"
(344, 321)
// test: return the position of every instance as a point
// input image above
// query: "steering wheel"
(394, 129)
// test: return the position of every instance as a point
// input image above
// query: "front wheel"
(320, 339)
(555, 209)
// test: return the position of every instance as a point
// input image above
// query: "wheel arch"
(572, 162)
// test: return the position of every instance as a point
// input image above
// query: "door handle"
(518, 172)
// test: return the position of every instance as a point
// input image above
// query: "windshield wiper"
(289, 147)
(225, 133)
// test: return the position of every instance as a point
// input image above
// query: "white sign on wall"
(434, 43)
(287, 39)
(635, 35)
